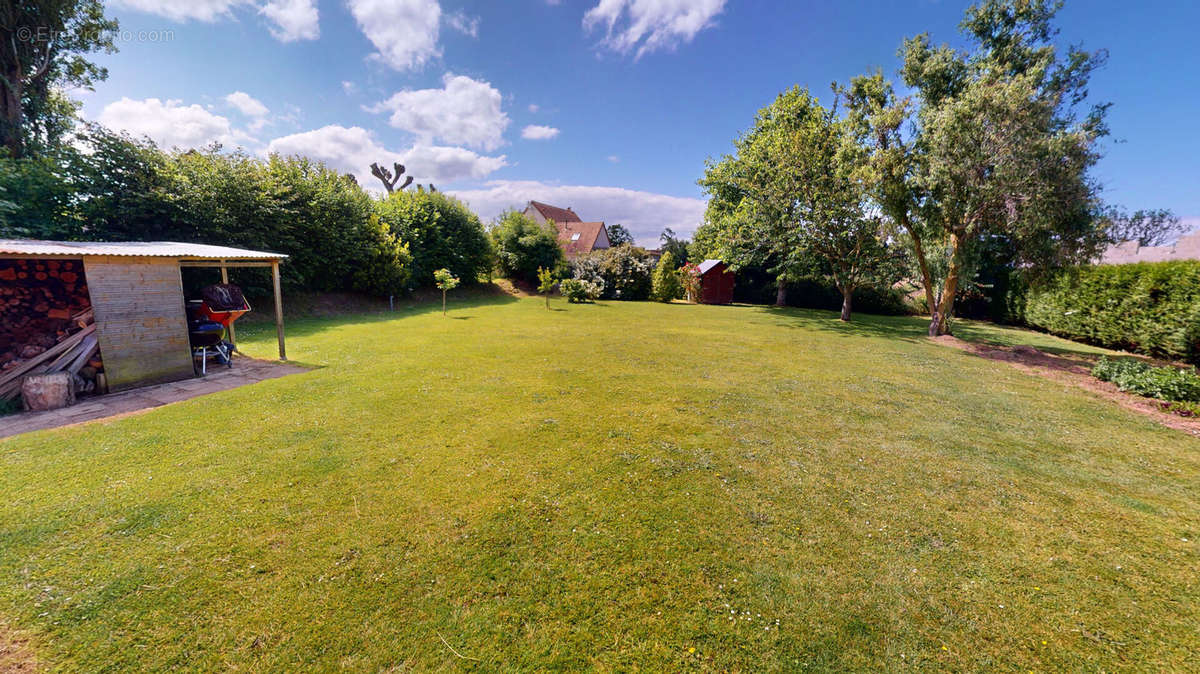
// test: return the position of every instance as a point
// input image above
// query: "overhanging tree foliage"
(43, 48)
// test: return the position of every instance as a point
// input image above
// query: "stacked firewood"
(46, 325)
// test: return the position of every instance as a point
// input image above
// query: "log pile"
(46, 325)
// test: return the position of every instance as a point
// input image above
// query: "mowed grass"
(611, 486)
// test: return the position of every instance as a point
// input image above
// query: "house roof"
(707, 265)
(183, 251)
(1186, 248)
(578, 237)
(554, 213)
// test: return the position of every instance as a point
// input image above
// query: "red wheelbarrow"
(209, 320)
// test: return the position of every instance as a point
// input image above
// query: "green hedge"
(1151, 308)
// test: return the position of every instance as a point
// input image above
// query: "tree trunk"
(11, 130)
(781, 293)
(919, 251)
(939, 324)
(443, 302)
(847, 300)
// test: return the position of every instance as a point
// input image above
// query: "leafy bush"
(665, 283)
(1135, 376)
(1151, 308)
(524, 246)
(441, 233)
(621, 273)
(576, 290)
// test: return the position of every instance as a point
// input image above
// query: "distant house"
(716, 283)
(1186, 248)
(574, 235)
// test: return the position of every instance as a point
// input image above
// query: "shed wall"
(140, 320)
(716, 287)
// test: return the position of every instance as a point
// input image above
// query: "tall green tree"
(876, 118)
(793, 177)
(665, 285)
(676, 246)
(44, 46)
(524, 246)
(618, 235)
(1006, 141)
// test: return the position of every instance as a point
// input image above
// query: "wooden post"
(225, 279)
(278, 308)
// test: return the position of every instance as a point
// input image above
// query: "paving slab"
(245, 371)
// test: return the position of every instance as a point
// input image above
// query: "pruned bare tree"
(389, 179)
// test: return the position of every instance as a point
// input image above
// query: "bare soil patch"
(1074, 370)
(16, 653)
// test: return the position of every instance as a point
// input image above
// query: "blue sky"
(607, 106)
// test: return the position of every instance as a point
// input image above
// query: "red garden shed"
(716, 283)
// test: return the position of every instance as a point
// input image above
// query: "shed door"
(139, 319)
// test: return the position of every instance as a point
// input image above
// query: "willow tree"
(789, 188)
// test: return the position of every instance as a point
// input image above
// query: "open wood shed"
(134, 290)
(716, 282)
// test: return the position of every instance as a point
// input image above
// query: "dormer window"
(575, 236)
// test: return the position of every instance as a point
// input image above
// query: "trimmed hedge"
(1151, 307)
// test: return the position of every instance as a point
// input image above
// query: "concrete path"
(244, 371)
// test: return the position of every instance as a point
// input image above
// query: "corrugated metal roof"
(185, 251)
(708, 264)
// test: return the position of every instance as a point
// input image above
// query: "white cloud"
(353, 149)
(170, 123)
(294, 19)
(404, 31)
(447, 164)
(467, 25)
(349, 87)
(614, 159)
(649, 25)
(185, 10)
(645, 214)
(538, 132)
(463, 112)
(247, 104)
(533, 107)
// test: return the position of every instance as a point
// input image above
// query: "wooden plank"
(278, 309)
(140, 319)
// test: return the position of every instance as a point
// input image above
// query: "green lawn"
(614, 486)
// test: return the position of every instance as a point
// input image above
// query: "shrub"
(1151, 308)
(621, 273)
(1135, 376)
(524, 246)
(665, 283)
(577, 291)
(441, 233)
